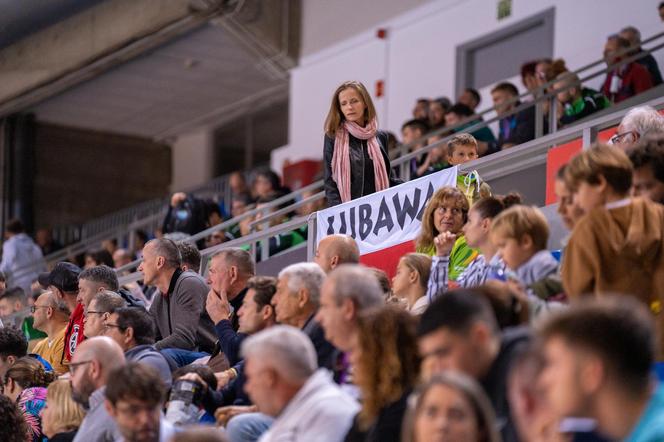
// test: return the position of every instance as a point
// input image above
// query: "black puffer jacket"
(362, 180)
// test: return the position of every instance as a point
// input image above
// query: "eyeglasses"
(95, 312)
(113, 326)
(35, 307)
(625, 137)
(74, 365)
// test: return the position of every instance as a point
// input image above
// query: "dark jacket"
(180, 316)
(649, 62)
(229, 340)
(495, 382)
(232, 394)
(386, 427)
(518, 128)
(326, 353)
(362, 179)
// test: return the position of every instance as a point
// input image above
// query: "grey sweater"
(97, 425)
(180, 315)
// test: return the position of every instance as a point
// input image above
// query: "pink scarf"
(341, 156)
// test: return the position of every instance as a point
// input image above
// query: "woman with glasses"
(443, 221)
(25, 383)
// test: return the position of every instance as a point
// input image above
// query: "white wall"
(418, 57)
(192, 159)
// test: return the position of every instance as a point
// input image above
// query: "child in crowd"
(487, 264)
(446, 211)
(577, 102)
(569, 212)
(618, 246)
(461, 149)
(520, 235)
(410, 282)
(436, 159)
(410, 131)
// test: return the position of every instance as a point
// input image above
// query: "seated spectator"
(99, 310)
(240, 204)
(633, 36)
(436, 159)
(598, 361)
(45, 241)
(51, 316)
(620, 240)
(14, 311)
(648, 161)
(433, 404)
(577, 102)
(410, 131)
(25, 382)
(266, 183)
(386, 368)
(626, 80)
(461, 149)
(529, 77)
(460, 113)
(179, 310)
(100, 278)
(121, 257)
(283, 241)
(12, 421)
(186, 214)
(90, 371)
(13, 346)
(459, 332)
(61, 416)
(335, 250)
(437, 109)
(62, 281)
(22, 259)
(97, 258)
(488, 264)
(191, 257)
(313, 206)
(136, 388)
(570, 213)
(636, 124)
(296, 303)
(283, 382)
(421, 109)
(132, 329)
(470, 98)
(520, 235)
(514, 129)
(410, 281)
(446, 212)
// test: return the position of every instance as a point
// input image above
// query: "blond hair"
(335, 117)
(420, 263)
(600, 160)
(462, 139)
(65, 414)
(428, 230)
(518, 221)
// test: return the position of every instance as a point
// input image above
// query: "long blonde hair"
(66, 414)
(428, 230)
(335, 117)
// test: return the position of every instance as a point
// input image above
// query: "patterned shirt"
(30, 402)
(475, 274)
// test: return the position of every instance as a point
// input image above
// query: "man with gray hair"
(98, 311)
(282, 381)
(182, 323)
(51, 315)
(633, 36)
(637, 123)
(334, 250)
(347, 291)
(296, 303)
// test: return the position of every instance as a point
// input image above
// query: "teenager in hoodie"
(618, 246)
(520, 235)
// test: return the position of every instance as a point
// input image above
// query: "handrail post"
(312, 234)
(539, 120)
(588, 137)
(553, 115)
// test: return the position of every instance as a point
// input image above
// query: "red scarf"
(341, 156)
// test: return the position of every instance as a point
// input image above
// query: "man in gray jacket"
(184, 328)
(133, 329)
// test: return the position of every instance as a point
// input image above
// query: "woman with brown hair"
(355, 151)
(410, 282)
(25, 382)
(451, 407)
(61, 416)
(443, 219)
(385, 368)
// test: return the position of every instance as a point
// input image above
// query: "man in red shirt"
(63, 282)
(626, 80)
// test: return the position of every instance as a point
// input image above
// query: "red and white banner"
(384, 221)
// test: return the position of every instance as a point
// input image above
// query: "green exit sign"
(504, 9)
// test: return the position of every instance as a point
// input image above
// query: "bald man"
(93, 361)
(334, 250)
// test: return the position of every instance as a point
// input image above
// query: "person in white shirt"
(283, 382)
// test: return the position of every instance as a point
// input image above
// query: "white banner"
(386, 218)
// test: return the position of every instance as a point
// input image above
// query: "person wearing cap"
(63, 282)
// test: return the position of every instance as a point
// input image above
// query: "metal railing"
(541, 95)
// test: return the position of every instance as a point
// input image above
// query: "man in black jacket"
(513, 129)
(633, 36)
(459, 332)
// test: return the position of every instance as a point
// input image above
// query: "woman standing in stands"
(355, 152)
